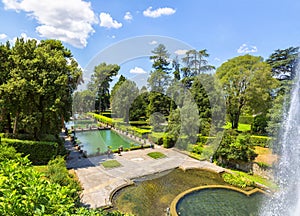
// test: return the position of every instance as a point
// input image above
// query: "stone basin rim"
(184, 193)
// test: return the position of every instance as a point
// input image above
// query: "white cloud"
(3, 36)
(247, 49)
(107, 21)
(217, 59)
(128, 16)
(153, 42)
(25, 37)
(137, 70)
(180, 52)
(158, 12)
(69, 20)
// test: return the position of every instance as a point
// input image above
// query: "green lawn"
(257, 179)
(110, 164)
(242, 127)
(156, 155)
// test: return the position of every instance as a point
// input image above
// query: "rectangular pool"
(95, 142)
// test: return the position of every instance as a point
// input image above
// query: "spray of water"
(286, 201)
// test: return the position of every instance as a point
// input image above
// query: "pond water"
(153, 196)
(95, 142)
(219, 201)
(81, 123)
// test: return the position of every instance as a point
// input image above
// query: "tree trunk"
(235, 120)
(16, 123)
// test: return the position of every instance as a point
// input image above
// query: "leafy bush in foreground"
(39, 152)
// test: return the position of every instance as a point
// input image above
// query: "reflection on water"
(153, 196)
(98, 141)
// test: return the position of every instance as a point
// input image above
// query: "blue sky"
(88, 28)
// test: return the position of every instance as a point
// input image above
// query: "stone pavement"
(99, 183)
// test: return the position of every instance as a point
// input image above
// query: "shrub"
(263, 165)
(8, 152)
(197, 149)
(138, 123)
(39, 152)
(168, 141)
(246, 119)
(106, 114)
(103, 119)
(24, 192)
(260, 124)
(237, 180)
(140, 132)
(204, 139)
(157, 138)
(262, 141)
(235, 148)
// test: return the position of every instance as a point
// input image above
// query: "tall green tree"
(159, 78)
(37, 94)
(83, 101)
(5, 67)
(284, 62)
(115, 88)
(201, 98)
(100, 83)
(139, 106)
(123, 99)
(159, 81)
(195, 64)
(246, 81)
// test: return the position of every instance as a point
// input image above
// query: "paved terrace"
(99, 183)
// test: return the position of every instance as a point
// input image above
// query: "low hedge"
(168, 141)
(156, 137)
(40, 152)
(106, 114)
(138, 123)
(246, 119)
(237, 180)
(261, 141)
(204, 139)
(139, 131)
(17, 136)
(103, 119)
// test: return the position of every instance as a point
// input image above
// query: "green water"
(98, 141)
(81, 123)
(219, 202)
(151, 197)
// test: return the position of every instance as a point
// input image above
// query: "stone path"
(99, 183)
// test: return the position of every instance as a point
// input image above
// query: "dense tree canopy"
(36, 85)
(284, 62)
(246, 81)
(100, 84)
(126, 93)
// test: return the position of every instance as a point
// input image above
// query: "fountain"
(286, 201)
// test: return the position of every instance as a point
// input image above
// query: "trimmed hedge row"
(103, 119)
(40, 152)
(107, 114)
(204, 139)
(139, 123)
(262, 141)
(139, 131)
